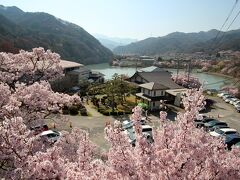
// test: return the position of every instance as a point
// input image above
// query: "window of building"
(154, 92)
(153, 104)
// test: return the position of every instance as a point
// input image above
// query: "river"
(210, 81)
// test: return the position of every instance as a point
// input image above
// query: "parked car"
(238, 109)
(200, 123)
(233, 100)
(146, 131)
(222, 94)
(131, 136)
(227, 97)
(50, 135)
(218, 126)
(237, 144)
(223, 132)
(143, 120)
(231, 140)
(127, 124)
(209, 126)
(237, 103)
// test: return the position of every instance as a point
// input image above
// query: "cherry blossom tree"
(232, 90)
(206, 66)
(37, 101)
(231, 68)
(28, 95)
(179, 150)
(186, 81)
(27, 100)
(29, 67)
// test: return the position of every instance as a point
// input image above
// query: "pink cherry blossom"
(186, 81)
(179, 150)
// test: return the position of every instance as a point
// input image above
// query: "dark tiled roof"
(151, 69)
(160, 77)
(154, 86)
(155, 98)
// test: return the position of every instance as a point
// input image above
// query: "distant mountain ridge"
(25, 30)
(184, 43)
(113, 42)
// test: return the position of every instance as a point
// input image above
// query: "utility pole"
(189, 69)
(177, 68)
(136, 63)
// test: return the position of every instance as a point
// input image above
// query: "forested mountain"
(24, 30)
(184, 42)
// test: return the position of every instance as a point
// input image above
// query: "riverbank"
(233, 79)
(211, 81)
(219, 74)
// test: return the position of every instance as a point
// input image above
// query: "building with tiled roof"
(154, 87)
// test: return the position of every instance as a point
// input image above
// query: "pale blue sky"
(135, 18)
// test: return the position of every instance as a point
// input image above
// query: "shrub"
(120, 112)
(114, 113)
(73, 110)
(65, 110)
(83, 111)
(106, 113)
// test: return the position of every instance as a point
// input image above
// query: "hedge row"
(108, 112)
(74, 110)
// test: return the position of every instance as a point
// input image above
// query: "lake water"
(210, 81)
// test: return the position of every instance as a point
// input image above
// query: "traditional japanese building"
(75, 74)
(157, 85)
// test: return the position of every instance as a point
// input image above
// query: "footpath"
(92, 111)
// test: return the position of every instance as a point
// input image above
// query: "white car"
(228, 99)
(238, 108)
(222, 132)
(237, 103)
(50, 135)
(129, 124)
(222, 94)
(146, 131)
(225, 95)
(233, 100)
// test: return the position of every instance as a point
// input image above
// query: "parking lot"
(95, 123)
(224, 112)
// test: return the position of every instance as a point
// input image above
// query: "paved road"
(95, 123)
(225, 112)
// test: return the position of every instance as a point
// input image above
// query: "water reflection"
(210, 81)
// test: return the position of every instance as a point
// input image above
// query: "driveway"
(95, 123)
(224, 112)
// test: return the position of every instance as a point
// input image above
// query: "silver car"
(50, 135)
